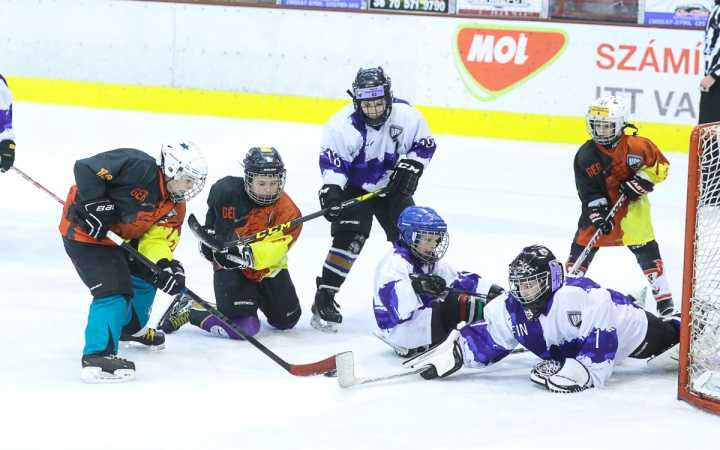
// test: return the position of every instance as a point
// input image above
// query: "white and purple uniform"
(6, 100)
(404, 316)
(364, 156)
(598, 327)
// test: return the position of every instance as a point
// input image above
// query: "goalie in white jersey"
(578, 328)
(415, 313)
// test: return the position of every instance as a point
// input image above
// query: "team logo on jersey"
(104, 174)
(493, 60)
(634, 161)
(575, 318)
(395, 131)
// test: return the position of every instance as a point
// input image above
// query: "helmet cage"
(371, 85)
(175, 164)
(606, 120)
(264, 199)
(541, 274)
(443, 242)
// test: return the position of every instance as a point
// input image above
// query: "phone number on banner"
(436, 6)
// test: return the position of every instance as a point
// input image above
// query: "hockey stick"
(588, 248)
(415, 276)
(346, 371)
(216, 244)
(301, 370)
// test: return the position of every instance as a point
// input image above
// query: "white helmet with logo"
(185, 169)
(606, 119)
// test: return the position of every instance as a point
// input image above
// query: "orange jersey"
(598, 174)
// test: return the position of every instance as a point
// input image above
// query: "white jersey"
(6, 100)
(363, 156)
(598, 327)
(404, 316)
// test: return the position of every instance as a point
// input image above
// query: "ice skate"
(325, 317)
(99, 368)
(176, 315)
(145, 339)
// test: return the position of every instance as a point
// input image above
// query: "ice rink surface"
(204, 391)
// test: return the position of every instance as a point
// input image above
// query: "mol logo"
(495, 60)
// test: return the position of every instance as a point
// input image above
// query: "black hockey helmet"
(264, 175)
(534, 275)
(370, 85)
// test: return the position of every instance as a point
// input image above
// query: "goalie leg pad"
(444, 359)
(571, 377)
(667, 360)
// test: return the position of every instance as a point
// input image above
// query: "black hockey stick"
(301, 370)
(415, 276)
(588, 248)
(216, 244)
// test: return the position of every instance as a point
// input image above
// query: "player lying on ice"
(253, 276)
(578, 328)
(413, 314)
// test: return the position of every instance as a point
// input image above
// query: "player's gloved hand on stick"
(404, 180)
(98, 218)
(7, 154)
(427, 283)
(636, 187)
(172, 278)
(205, 251)
(597, 216)
(240, 257)
(330, 200)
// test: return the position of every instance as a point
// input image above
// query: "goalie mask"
(264, 175)
(185, 170)
(424, 232)
(372, 95)
(607, 119)
(534, 275)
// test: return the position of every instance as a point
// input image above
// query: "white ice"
(205, 391)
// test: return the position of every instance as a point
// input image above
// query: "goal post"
(699, 371)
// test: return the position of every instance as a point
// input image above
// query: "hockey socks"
(104, 324)
(211, 324)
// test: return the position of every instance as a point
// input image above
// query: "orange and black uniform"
(599, 172)
(267, 286)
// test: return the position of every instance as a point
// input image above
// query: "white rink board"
(317, 53)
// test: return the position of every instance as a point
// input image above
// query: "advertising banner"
(507, 8)
(677, 13)
(426, 6)
(337, 4)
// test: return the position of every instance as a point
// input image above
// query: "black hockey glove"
(493, 292)
(636, 187)
(99, 217)
(205, 251)
(427, 283)
(7, 155)
(240, 257)
(330, 200)
(404, 180)
(597, 217)
(172, 278)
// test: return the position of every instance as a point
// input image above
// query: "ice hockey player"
(414, 314)
(253, 276)
(610, 164)
(579, 329)
(142, 200)
(379, 141)
(7, 135)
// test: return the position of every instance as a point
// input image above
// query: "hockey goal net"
(699, 377)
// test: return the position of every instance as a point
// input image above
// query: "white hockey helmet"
(606, 119)
(185, 169)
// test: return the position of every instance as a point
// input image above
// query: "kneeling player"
(578, 328)
(414, 314)
(254, 276)
(141, 200)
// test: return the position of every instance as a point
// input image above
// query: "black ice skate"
(176, 315)
(665, 308)
(325, 317)
(150, 339)
(100, 368)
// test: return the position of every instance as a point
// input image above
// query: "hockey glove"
(404, 180)
(240, 257)
(172, 278)
(98, 218)
(205, 251)
(427, 283)
(7, 155)
(330, 200)
(493, 292)
(466, 308)
(636, 187)
(597, 216)
(571, 376)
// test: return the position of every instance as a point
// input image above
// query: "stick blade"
(317, 368)
(345, 363)
(202, 234)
